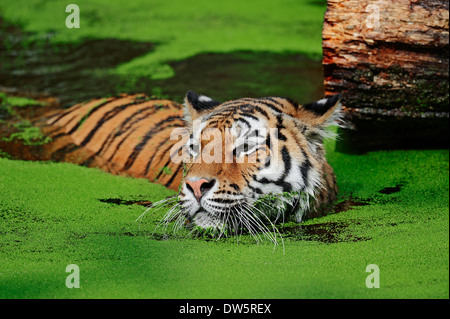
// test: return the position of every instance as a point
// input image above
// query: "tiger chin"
(255, 161)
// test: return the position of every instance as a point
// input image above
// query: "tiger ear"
(196, 105)
(322, 113)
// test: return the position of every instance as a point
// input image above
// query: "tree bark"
(388, 59)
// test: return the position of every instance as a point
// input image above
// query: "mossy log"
(390, 62)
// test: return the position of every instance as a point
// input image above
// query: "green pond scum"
(56, 214)
(19, 128)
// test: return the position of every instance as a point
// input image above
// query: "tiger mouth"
(207, 220)
(232, 223)
(212, 209)
(190, 217)
(256, 217)
(266, 210)
(239, 218)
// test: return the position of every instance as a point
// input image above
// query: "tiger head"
(245, 149)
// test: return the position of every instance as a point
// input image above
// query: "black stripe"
(272, 99)
(250, 116)
(59, 126)
(255, 189)
(260, 110)
(219, 115)
(67, 112)
(60, 116)
(106, 117)
(58, 136)
(115, 134)
(280, 126)
(222, 200)
(120, 144)
(281, 136)
(271, 105)
(287, 168)
(233, 103)
(180, 166)
(287, 187)
(305, 167)
(156, 129)
(60, 153)
(236, 187)
(253, 104)
(295, 104)
(245, 121)
(147, 167)
(94, 109)
(161, 157)
(269, 147)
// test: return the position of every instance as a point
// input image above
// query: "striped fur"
(130, 134)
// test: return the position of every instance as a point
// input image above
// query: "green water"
(52, 216)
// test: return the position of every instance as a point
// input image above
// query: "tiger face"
(245, 149)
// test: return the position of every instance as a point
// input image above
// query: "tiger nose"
(200, 187)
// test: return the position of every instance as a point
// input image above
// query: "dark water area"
(391, 190)
(32, 65)
(119, 201)
(247, 74)
(393, 133)
(327, 232)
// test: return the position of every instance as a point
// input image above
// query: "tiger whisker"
(276, 231)
(224, 223)
(241, 216)
(180, 220)
(255, 233)
(169, 217)
(252, 220)
(235, 227)
(158, 205)
(264, 229)
(246, 223)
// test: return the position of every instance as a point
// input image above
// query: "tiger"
(262, 147)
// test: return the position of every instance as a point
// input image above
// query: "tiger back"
(128, 134)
